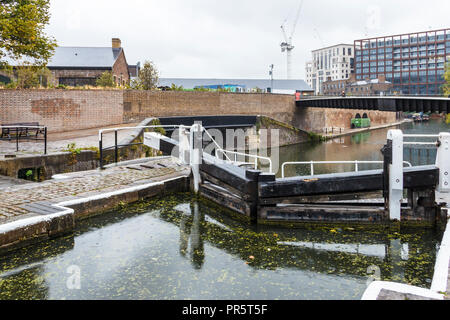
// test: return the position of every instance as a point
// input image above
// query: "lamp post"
(271, 78)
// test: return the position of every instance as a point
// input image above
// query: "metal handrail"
(217, 145)
(311, 163)
(421, 136)
(247, 155)
(116, 145)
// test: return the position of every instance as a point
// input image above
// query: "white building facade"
(330, 63)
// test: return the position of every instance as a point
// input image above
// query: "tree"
(174, 87)
(105, 80)
(32, 77)
(148, 76)
(22, 24)
(446, 86)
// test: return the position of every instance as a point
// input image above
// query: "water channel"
(178, 247)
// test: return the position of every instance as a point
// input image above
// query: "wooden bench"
(24, 129)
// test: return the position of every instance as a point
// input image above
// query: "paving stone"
(38, 198)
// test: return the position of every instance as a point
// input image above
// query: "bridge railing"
(312, 163)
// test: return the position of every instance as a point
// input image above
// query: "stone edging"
(30, 230)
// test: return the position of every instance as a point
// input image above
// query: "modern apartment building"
(413, 62)
(335, 62)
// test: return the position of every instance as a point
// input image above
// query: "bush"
(105, 80)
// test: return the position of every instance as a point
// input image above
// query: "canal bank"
(350, 132)
(35, 212)
(192, 230)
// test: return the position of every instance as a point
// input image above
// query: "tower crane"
(287, 46)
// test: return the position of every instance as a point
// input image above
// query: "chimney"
(116, 43)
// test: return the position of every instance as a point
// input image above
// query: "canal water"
(177, 247)
(361, 146)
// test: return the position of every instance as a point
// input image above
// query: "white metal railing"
(219, 149)
(312, 163)
(236, 154)
(421, 136)
(215, 143)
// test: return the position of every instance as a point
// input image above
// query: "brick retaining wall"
(62, 110)
(67, 110)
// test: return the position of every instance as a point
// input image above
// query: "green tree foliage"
(202, 89)
(105, 80)
(28, 77)
(148, 77)
(22, 24)
(174, 87)
(446, 86)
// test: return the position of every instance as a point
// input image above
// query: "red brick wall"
(62, 110)
(139, 105)
(66, 110)
(316, 119)
(120, 68)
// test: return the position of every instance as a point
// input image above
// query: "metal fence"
(21, 133)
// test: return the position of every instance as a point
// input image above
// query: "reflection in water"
(361, 146)
(178, 248)
(190, 233)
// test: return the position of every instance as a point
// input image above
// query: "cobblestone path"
(14, 200)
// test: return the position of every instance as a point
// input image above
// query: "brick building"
(78, 66)
(351, 87)
(369, 87)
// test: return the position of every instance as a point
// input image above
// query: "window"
(349, 51)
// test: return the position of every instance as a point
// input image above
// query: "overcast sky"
(234, 38)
